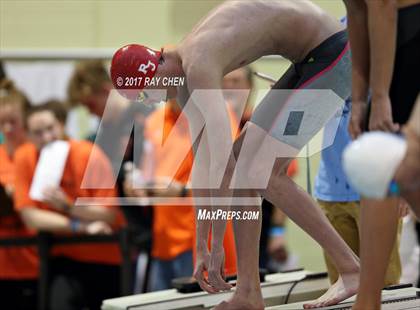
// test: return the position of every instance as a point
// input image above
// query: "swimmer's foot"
(345, 287)
(240, 301)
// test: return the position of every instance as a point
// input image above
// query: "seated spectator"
(91, 86)
(75, 283)
(60, 110)
(173, 226)
(19, 265)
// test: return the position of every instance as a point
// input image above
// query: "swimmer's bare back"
(237, 33)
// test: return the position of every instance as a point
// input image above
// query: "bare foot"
(241, 302)
(345, 287)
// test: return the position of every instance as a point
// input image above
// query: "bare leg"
(247, 295)
(414, 122)
(408, 173)
(344, 217)
(379, 222)
(248, 291)
(300, 207)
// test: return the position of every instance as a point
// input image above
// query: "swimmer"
(235, 34)
(393, 159)
(385, 40)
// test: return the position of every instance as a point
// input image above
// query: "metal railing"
(44, 241)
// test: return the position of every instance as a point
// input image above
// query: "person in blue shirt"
(340, 202)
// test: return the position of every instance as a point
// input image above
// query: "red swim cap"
(131, 66)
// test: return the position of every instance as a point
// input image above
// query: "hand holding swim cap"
(370, 163)
(130, 67)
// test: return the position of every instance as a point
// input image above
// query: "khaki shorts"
(344, 216)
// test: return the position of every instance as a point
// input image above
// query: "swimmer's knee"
(259, 174)
(277, 184)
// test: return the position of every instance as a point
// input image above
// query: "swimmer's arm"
(211, 103)
(203, 225)
(359, 41)
(414, 122)
(382, 17)
(218, 129)
(202, 229)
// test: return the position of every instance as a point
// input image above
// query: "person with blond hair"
(19, 265)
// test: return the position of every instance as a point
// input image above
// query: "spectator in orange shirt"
(19, 265)
(173, 226)
(74, 283)
(90, 86)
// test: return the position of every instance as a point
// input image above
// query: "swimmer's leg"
(247, 233)
(300, 207)
(408, 173)
(379, 224)
(247, 294)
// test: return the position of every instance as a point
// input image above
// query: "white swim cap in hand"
(370, 162)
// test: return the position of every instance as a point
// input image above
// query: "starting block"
(394, 299)
(294, 286)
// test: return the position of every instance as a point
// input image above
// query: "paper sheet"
(49, 169)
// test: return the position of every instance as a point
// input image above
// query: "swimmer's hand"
(381, 115)
(358, 118)
(213, 264)
(217, 270)
(201, 266)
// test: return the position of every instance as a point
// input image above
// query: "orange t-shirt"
(174, 226)
(15, 262)
(26, 159)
